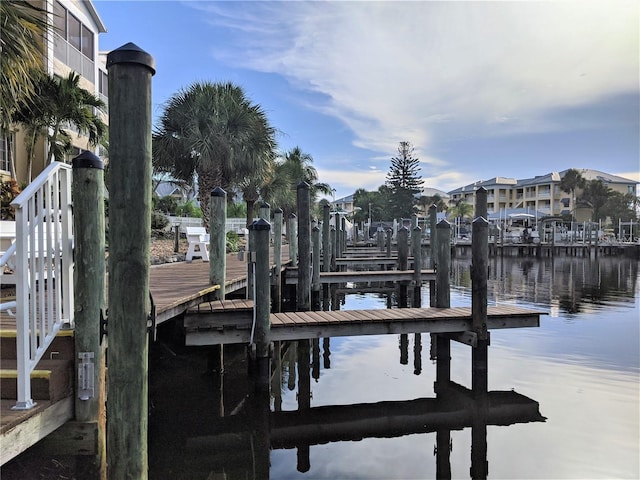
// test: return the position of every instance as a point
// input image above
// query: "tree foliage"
(369, 203)
(214, 131)
(59, 102)
(461, 210)
(21, 54)
(291, 168)
(403, 182)
(571, 182)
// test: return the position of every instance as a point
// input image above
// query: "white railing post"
(44, 251)
(23, 350)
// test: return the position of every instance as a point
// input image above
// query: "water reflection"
(236, 435)
(568, 284)
(367, 407)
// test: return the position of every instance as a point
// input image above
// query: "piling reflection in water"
(238, 438)
(220, 427)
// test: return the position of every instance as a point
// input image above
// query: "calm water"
(582, 367)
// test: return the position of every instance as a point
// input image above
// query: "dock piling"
(260, 231)
(130, 120)
(88, 218)
(277, 253)
(304, 248)
(218, 241)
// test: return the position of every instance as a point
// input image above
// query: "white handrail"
(43, 269)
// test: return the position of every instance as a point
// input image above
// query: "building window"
(4, 154)
(86, 42)
(74, 31)
(631, 189)
(73, 42)
(103, 83)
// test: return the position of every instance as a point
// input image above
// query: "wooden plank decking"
(176, 287)
(213, 326)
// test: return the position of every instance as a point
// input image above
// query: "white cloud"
(392, 70)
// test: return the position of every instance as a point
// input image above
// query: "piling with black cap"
(260, 230)
(130, 70)
(304, 247)
(277, 254)
(89, 283)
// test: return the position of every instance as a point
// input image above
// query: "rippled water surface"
(581, 366)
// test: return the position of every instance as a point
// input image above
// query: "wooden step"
(51, 380)
(62, 347)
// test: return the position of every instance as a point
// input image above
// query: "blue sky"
(481, 89)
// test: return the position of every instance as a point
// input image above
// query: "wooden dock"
(225, 322)
(176, 287)
(291, 276)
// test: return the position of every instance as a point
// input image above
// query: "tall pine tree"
(403, 182)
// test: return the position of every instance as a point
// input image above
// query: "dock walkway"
(225, 322)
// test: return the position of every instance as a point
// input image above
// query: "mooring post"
(443, 261)
(218, 241)
(176, 238)
(403, 248)
(217, 263)
(389, 240)
(277, 253)
(416, 247)
(251, 265)
(89, 282)
(479, 274)
(443, 300)
(265, 211)
(403, 263)
(130, 70)
(292, 233)
(260, 231)
(433, 222)
(334, 247)
(326, 238)
(343, 234)
(315, 283)
(304, 248)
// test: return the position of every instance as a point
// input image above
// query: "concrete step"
(51, 380)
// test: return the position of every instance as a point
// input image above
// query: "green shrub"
(188, 209)
(158, 220)
(233, 242)
(167, 204)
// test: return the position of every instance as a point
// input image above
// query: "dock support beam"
(326, 238)
(277, 253)
(315, 269)
(416, 247)
(443, 300)
(260, 230)
(218, 241)
(88, 219)
(304, 248)
(130, 71)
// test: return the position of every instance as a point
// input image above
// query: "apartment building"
(71, 45)
(540, 194)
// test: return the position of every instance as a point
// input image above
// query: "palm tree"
(425, 202)
(461, 209)
(212, 130)
(293, 167)
(58, 102)
(21, 54)
(570, 182)
(255, 186)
